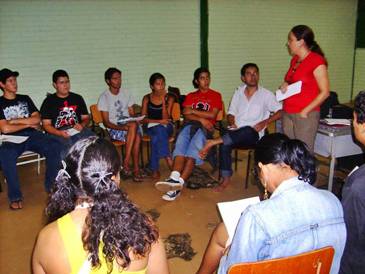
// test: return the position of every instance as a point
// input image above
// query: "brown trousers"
(304, 129)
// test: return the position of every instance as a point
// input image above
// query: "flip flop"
(16, 205)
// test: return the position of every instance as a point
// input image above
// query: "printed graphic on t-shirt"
(119, 110)
(204, 106)
(21, 110)
(67, 116)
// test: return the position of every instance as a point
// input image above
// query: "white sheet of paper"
(13, 138)
(131, 119)
(231, 212)
(292, 89)
(152, 124)
(331, 121)
(72, 131)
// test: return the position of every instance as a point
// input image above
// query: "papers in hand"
(130, 119)
(72, 131)
(13, 138)
(231, 212)
(330, 121)
(292, 89)
(152, 124)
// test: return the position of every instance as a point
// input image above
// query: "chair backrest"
(318, 261)
(96, 114)
(175, 112)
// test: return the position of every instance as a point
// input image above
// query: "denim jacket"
(297, 218)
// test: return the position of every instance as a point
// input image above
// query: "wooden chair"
(175, 116)
(317, 261)
(97, 119)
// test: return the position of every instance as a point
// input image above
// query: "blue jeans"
(65, 144)
(159, 144)
(39, 143)
(189, 146)
(244, 136)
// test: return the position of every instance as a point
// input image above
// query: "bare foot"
(208, 145)
(224, 183)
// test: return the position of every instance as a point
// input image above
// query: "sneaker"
(171, 195)
(169, 185)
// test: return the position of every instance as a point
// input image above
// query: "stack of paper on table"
(13, 138)
(330, 121)
(231, 212)
(292, 89)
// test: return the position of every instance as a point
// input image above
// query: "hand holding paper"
(292, 89)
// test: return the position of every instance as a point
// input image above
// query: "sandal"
(16, 205)
(137, 177)
(125, 174)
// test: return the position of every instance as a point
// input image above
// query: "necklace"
(84, 205)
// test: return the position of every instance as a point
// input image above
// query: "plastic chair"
(317, 261)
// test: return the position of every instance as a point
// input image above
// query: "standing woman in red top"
(301, 111)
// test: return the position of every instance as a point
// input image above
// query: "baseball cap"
(7, 73)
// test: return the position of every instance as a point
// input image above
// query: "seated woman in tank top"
(157, 107)
(93, 227)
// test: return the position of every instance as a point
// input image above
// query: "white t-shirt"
(258, 108)
(116, 105)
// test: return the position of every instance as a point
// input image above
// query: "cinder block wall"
(144, 36)
(86, 37)
(256, 31)
(359, 83)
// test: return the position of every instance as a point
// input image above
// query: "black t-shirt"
(64, 112)
(20, 107)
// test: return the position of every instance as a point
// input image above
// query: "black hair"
(248, 65)
(155, 77)
(359, 107)
(109, 73)
(59, 73)
(277, 148)
(113, 219)
(197, 73)
(306, 33)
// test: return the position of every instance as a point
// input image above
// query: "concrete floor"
(194, 212)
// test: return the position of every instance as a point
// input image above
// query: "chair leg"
(141, 153)
(38, 164)
(248, 168)
(235, 159)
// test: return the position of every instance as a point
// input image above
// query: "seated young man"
(115, 103)
(64, 113)
(248, 116)
(19, 116)
(200, 110)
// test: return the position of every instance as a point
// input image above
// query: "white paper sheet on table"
(231, 212)
(13, 139)
(292, 89)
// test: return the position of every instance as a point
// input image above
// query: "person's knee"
(132, 127)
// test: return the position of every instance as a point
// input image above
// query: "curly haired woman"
(93, 227)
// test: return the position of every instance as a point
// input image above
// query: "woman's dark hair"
(197, 73)
(113, 219)
(277, 148)
(306, 33)
(359, 107)
(155, 77)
